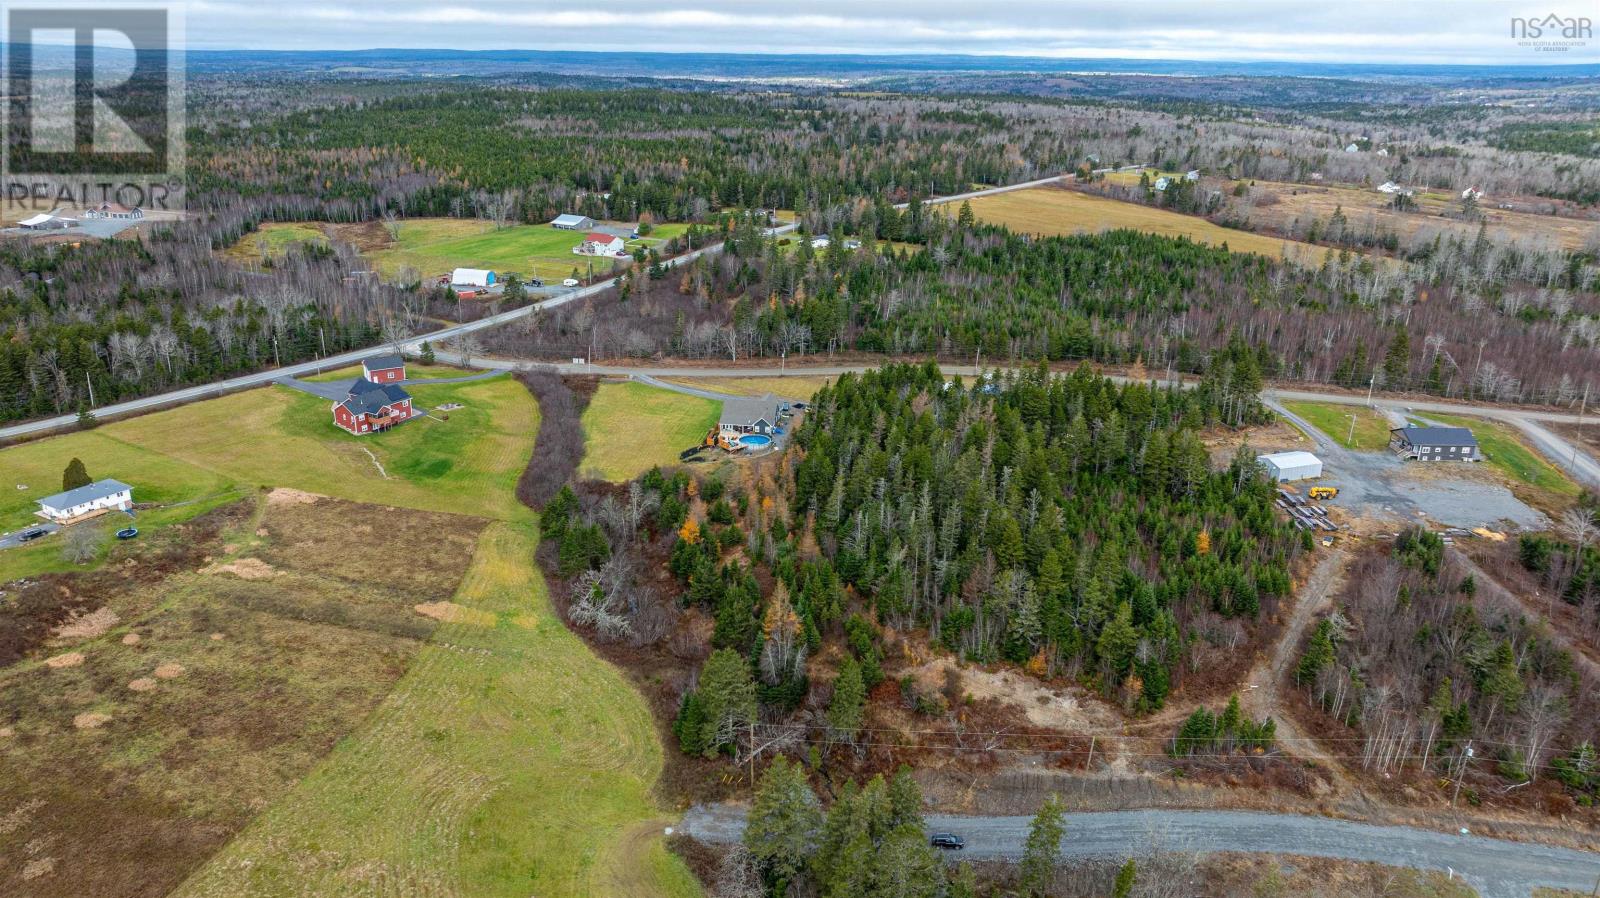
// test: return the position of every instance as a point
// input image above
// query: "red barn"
(384, 369)
(371, 408)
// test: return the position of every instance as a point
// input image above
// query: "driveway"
(14, 538)
(1495, 867)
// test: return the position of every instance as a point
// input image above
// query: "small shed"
(472, 277)
(1297, 465)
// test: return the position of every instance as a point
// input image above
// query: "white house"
(598, 244)
(570, 222)
(1383, 151)
(821, 241)
(1296, 465)
(1352, 148)
(114, 210)
(1192, 175)
(1162, 183)
(1392, 187)
(1472, 193)
(472, 277)
(86, 501)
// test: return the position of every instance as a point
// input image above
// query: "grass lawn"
(273, 239)
(1371, 431)
(800, 387)
(508, 761)
(630, 427)
(436, 246)
(1054, 210)
(1505, 451)
(276, 436)
(414, 371)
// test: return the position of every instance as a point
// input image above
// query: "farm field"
(800, 387)
(1504, 451)
(207, 680)
(1055, 210)
(279, 437)
(273, 240)
(1371, 430)
(1278, 203)
(414, 371)
(630, 427)
(436, 246)
(508, 761)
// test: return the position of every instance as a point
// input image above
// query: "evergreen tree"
(785, 822)
(1042, 850)
(728, 694)
(1123, 888)
(1318, 654)
(847, 708)
(75, 475)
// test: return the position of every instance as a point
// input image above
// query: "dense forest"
(1061, 523)
(925, 283)
(1425, 660)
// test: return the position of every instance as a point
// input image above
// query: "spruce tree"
(75, 475)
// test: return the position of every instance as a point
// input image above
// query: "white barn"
(1296, 465)
(472, 277)
(86, 501)
(570, 222)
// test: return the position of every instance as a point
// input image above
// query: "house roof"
(597, 237)
(1437, 436)
(380, 362)
(100, 489)
(39, 219)
(570, 219)
(368, 398)
(1292, 459)
(744, 411)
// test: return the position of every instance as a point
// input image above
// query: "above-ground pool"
(755, 441)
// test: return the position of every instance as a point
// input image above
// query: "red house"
(384, 369)
(371, 408)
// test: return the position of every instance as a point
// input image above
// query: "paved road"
(14, 538)
(1495, 867)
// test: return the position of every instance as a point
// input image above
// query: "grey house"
(741, 416)
(1434, 443)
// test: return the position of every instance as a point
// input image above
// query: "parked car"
(31, 535)
(536, 282)
(127, 533)
(570, 282)
(947, 841)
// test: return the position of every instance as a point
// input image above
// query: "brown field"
(796, 387)
(1059, 210)
(204, 695)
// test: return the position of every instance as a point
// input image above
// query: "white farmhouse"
(598, 244)
(86, 502)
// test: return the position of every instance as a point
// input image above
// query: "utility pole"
(1371, 383)
(90, 381)
(1461, 771)
(1578, 434)
(1350, 440)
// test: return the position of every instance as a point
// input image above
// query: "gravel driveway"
(1495, 867)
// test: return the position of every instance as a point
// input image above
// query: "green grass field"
(436, 246)
(508, 761)
(630, 427)
(414, 371)
(273, 239)
(1371, 430)
(279, 437)
(1504, 451)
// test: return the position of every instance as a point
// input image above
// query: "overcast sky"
(1422, 31)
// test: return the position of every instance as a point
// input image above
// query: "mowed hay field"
(1058, 210)
(143, 736)
(629, 428)
(276, 436)
(1504, 450)
(273, 240)
(1371, 432)
(798, 386)
(508, 761)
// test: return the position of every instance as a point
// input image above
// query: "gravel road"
(1495, 867)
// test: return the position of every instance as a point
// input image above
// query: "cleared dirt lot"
(201, 696)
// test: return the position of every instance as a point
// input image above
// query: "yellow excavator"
(1323, 492)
